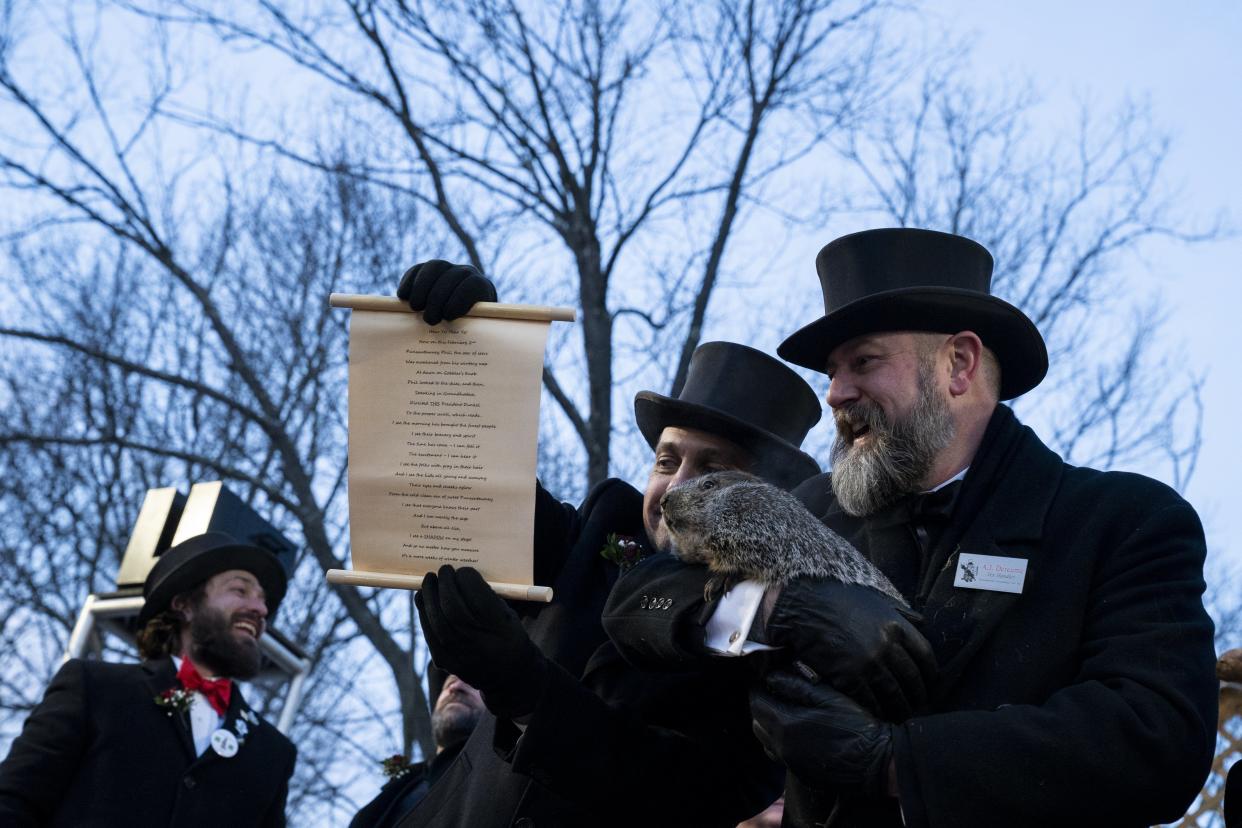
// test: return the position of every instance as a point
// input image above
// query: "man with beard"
(1076, 666)
(170, 741)
(574, 735)
(458, 708)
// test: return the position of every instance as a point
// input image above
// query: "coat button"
(190, 783)
(524, 822)
(642, 602)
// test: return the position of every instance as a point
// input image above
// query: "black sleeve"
(656, 615)
(670, 750)
(556, 527)
(275, 816)
(45, 756)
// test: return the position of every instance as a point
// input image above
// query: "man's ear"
(966, 360)
(182, 604)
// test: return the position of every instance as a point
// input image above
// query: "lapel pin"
(224, 743)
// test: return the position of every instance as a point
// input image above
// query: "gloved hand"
(858, 640)
(473, 634)
(442, 290)
(822, 736)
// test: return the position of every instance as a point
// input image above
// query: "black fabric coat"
(98, 751)
(607, 745)
(1088, 699)
(389, 805)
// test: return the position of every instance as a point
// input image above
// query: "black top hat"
(747, 397)
(904, 279)
(194, 560)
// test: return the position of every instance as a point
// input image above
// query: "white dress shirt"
(204, 720)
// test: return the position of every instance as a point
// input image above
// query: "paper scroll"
(443, 426)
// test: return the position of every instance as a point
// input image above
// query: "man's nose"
(259, 605)
(685, 472)
(841, 391)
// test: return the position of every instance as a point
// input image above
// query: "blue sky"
(1185, 58)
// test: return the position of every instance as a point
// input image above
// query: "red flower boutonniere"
(623, 550)
(175, 699)
(396, 766)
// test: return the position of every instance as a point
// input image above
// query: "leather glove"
(442, 290)
(822, 736)
(858, 640)
(473, 634)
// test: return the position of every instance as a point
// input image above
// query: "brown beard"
(214, 644)
(899, 453)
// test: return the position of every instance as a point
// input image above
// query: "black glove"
(822, 736)
(442, 290)
(858, 640)
(473, 634)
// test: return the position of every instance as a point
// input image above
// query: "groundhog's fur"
(746, 529)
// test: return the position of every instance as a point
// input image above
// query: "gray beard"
(452, 728)
(899, 453)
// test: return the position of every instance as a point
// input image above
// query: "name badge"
(990, 572)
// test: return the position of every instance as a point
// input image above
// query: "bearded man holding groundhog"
(1076, 680)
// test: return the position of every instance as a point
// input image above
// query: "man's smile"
(248, 627)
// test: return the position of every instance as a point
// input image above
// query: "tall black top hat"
(904, 279)
(747, 397)
(194, 560)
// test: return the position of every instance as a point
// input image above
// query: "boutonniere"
(623, 550)
(396, 766)
(175, 699)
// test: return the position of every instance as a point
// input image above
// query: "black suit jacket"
(607, 745)
(1088, 699)
(98, 751)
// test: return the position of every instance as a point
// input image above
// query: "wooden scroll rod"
(388, 580)
(491, 310)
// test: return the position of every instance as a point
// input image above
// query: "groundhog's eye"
(709, 484)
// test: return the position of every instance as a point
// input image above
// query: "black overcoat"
(1088, 699)
(607, 745)
(98, 751)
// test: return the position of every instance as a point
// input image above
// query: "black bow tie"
(933, 505)
(918, 508)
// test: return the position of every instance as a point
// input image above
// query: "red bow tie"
(216, 691)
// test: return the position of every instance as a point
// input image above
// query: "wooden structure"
(1206, 811)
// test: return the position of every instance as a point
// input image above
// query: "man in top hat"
(170, 741)
(1076, 682)
(574, 735)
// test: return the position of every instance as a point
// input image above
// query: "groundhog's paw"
(718, 584)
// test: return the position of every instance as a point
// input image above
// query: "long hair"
(161, 637)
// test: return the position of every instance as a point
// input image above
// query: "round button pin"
(224, 743)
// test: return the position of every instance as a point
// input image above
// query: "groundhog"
(746, 529)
